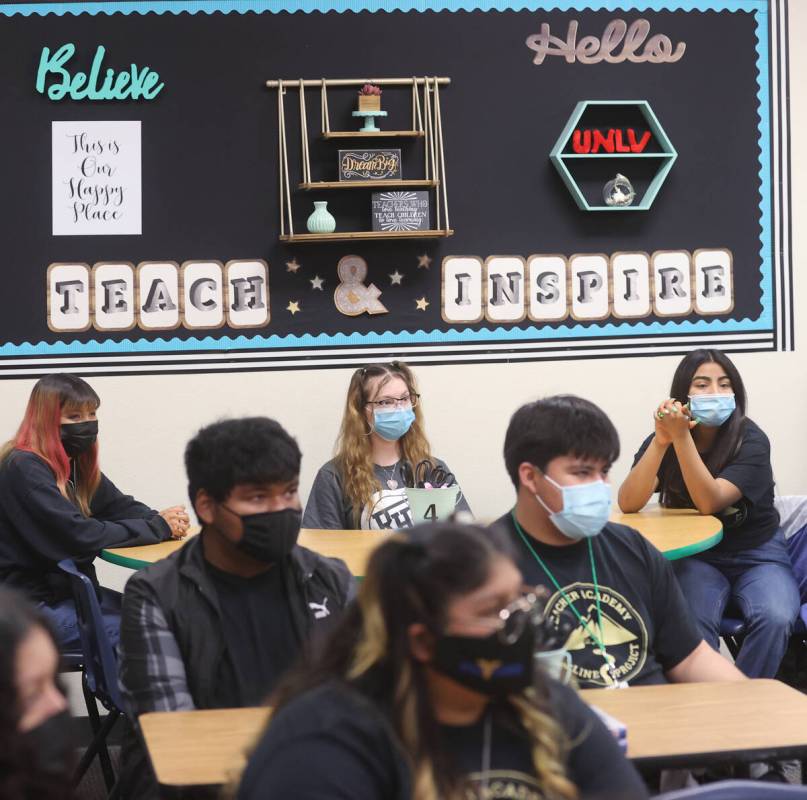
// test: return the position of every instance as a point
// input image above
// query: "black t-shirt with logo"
(647, 625)
(258, 630)
(332, 744)
(752, 520)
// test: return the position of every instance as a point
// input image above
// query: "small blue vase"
(321, 221)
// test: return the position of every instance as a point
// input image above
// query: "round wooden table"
(353, 547)
(677, 532)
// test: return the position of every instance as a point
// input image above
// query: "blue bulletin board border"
(745, 328)
(310, 6)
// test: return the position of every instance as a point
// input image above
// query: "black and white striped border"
(780, 175)
(351, 357)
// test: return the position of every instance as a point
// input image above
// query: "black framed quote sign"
(207, 185)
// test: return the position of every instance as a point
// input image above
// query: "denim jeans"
(756, 584)
(63, 622)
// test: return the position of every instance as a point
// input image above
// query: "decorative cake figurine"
(369, 107)
(618, 192)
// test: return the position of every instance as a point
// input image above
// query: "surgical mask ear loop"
(556, 485)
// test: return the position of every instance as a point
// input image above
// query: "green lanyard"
(563, 594)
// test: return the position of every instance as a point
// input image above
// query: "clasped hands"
(178, 521)
(673, 420)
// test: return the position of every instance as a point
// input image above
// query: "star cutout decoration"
(292, 266)
(316, 282)
(395, 277)
(293, 306)
(422, 303)
(424, 261)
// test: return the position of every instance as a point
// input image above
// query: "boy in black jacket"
(215, 624)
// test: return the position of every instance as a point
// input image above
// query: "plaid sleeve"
(152, 672)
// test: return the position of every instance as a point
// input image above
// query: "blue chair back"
(100, 663)
(739, 790)
(797, 550)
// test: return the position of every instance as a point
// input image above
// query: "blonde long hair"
(412, 578)
(354, 451)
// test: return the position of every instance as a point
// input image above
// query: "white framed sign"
(96, 178)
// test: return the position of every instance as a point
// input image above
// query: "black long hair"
(672, 490)
(412, 578)
(19, 777)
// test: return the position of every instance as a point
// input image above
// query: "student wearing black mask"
(35, 748)
(55, 503)
(217, 623)
(427, 689)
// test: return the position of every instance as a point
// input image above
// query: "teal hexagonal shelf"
(587, 160)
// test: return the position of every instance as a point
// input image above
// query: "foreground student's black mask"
(487, 664)
(270, 535)
(50, 745)
(79, 436)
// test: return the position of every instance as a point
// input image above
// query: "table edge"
(124, 561)
(170, 781)
(694, 548)
(709, 757)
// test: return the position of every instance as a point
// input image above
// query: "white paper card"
(548, 288)
(462, 289)
(96, 178)
(589, 286)
(505, 288)
(631, 284)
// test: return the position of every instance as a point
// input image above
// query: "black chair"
(73, 661)
(100, 674)
(738, 790)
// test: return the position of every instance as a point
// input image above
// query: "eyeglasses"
(511, 621)
(390, 403)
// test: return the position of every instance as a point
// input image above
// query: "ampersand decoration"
(351, 296)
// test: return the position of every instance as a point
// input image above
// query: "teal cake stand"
(369, 120)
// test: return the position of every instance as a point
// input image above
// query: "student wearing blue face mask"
(614, 591)
(706, 454)
(363, 486)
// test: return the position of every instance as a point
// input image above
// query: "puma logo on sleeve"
(320, 609)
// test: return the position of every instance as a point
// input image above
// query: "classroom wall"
(146, 420)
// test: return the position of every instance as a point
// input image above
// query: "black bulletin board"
(209, 162)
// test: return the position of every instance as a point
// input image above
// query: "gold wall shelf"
(386, 184)
(372, 135)
(426, 124)
(341, 236)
